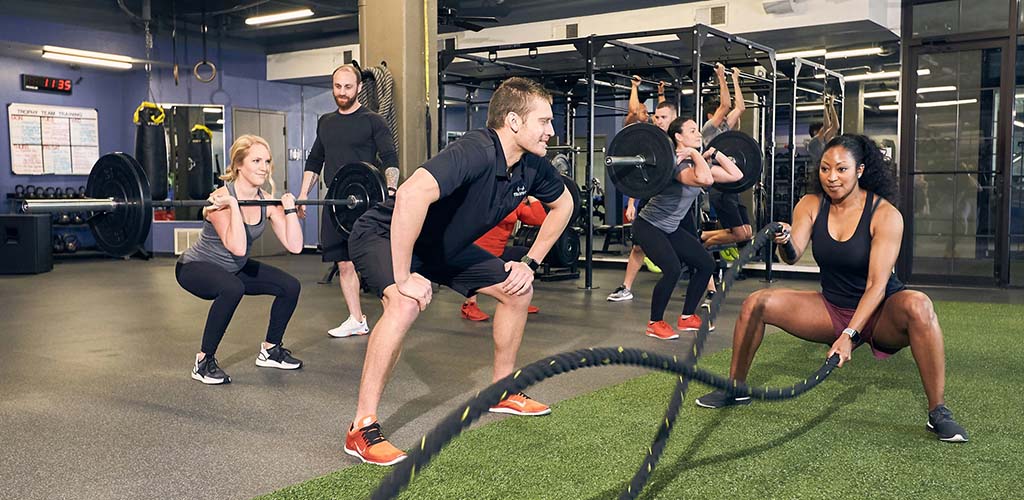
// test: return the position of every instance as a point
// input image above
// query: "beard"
(344, 102)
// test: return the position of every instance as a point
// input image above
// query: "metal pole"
(589, 191)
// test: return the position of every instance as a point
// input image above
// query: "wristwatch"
(530, 262)
(853, 334)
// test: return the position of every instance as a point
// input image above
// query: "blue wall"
(241, 82)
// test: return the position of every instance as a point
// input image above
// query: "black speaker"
(25, 244)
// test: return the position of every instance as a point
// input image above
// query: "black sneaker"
(721, 399)
(940, 421)
(277, 357)
(207, 372)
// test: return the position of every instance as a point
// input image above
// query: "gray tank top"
(666, 209)
(211, 249)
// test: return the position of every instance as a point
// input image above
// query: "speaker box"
(25, 244)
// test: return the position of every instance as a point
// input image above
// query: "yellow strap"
(203, 128)
(156, 119)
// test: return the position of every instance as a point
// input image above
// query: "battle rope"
(453, 424)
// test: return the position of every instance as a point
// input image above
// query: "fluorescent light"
(881, 93)
(86, 60)
(884, 75)
(781, 56)
(280, 16)
(220, 122)
(86, 53)
(868, 51)
(889, 107)
(1018, 123)
(687, 91)
(945, 88)
(214, 111)
(937, 104)
(811, 107)
(924, 72)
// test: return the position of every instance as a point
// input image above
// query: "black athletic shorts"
(333, 243)
(468, 271)
(730, 211)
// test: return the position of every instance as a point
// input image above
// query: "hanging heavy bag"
(200, 163)
(151, 147)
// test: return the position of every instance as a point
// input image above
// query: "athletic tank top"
(844, 264)
(211, 249)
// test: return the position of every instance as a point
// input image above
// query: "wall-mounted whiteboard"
(53, 139)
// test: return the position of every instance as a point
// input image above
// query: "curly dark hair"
(879, 175)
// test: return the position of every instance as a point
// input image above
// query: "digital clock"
(46, 84)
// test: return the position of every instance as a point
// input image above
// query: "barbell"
(118, 194)
(641, 160)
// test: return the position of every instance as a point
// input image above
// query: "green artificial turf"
(858, 435)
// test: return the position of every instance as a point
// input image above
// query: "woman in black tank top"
(856, 233)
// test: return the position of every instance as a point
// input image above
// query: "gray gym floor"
(96, 399)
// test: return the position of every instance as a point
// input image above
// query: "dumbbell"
(78, 218)
(30, 191)
(48, 192)
(81, 191)
(19, 191)
(58, 243)
(64, 218)
(71, 243)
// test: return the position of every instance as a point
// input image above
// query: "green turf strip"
(858, 435)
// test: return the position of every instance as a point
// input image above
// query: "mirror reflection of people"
(218, 267)
(733, 215)
(855, 232)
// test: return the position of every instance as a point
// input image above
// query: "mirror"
(195, 158)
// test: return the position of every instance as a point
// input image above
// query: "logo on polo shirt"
(519, 191)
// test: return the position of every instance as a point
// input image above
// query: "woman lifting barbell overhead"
(218, 267)
(667, 244)
(856, 233)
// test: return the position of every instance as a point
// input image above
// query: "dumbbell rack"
(61, 230)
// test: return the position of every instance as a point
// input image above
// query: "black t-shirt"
(358, 136)
(477, 191)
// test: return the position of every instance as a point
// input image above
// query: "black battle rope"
(636, 484)
(453, 424)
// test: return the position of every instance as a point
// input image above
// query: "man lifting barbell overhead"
(218, 268)
(664, 113)
(855, 232)
(426, 234)
(733, 215)
(349, 134)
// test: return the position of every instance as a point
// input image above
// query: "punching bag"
(151, 147)
(200, 163)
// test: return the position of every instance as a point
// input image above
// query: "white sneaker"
(349, 328)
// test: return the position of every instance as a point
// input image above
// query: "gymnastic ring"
(209, 64)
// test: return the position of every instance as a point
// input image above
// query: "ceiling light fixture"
(782, 56)
(867, 51)
(87, 57)
(937, 104)
(280, 16)
(945, 88)
(881, 93)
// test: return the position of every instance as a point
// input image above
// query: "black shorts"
(466, 272)
(730, 211)
(333, 243)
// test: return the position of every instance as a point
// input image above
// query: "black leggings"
(212, 282)
(669, 251)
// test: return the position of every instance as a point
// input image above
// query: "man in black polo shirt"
(350, 134)
(427, 234)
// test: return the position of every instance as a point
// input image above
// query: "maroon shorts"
(841, 317)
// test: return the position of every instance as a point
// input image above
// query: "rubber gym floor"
(96, 399)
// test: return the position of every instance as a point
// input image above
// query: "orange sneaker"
(472, 312)
(661, 330)
(521, 404)
(532, 309)
(692, 324)
(369, 445)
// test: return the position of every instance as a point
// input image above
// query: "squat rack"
(682, 54)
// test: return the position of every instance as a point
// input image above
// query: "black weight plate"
(747, 155)
(359, 179)
(122, 231)
(653, 144)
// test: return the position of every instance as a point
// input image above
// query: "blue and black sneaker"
(940, 421)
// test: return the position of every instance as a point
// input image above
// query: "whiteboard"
(52, 139)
